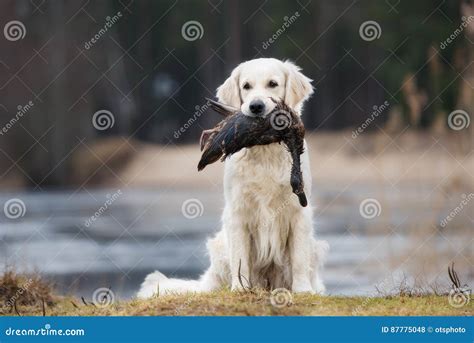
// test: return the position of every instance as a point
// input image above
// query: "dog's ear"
(298, 87)
(229, 92)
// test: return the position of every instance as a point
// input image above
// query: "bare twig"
(245, 288)
(105, 296)
(240, 275)
(84, 301)
(16, 309)
(43, 305)
(454, 276)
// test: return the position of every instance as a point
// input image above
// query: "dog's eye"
(272, 84)
(246, 85)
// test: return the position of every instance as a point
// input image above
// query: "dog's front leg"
(301, 252)
(239, 246)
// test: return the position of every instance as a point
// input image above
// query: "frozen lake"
(144, 230)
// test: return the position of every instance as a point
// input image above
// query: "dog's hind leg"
(218, 274)
(158, 284)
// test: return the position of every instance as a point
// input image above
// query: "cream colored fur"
(265, 231)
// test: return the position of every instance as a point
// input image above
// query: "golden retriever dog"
(267, 237)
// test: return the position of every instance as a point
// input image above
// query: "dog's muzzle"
(257, 107)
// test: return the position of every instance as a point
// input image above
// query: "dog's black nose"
(257, 107)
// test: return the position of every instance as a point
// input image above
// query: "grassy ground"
(252, 304)
(31, 296)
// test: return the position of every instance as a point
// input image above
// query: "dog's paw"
(237, 288)
(303, 290)
(302, 287)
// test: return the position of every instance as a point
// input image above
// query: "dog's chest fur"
(257, 184)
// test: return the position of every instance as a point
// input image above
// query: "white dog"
(267, 236)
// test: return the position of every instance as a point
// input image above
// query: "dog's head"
(252, 85)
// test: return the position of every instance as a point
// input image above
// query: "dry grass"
(23, 290)
(256, 303)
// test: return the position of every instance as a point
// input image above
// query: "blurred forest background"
(151, 79)
(105, 205)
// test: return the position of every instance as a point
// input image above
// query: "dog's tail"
(158, 284)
